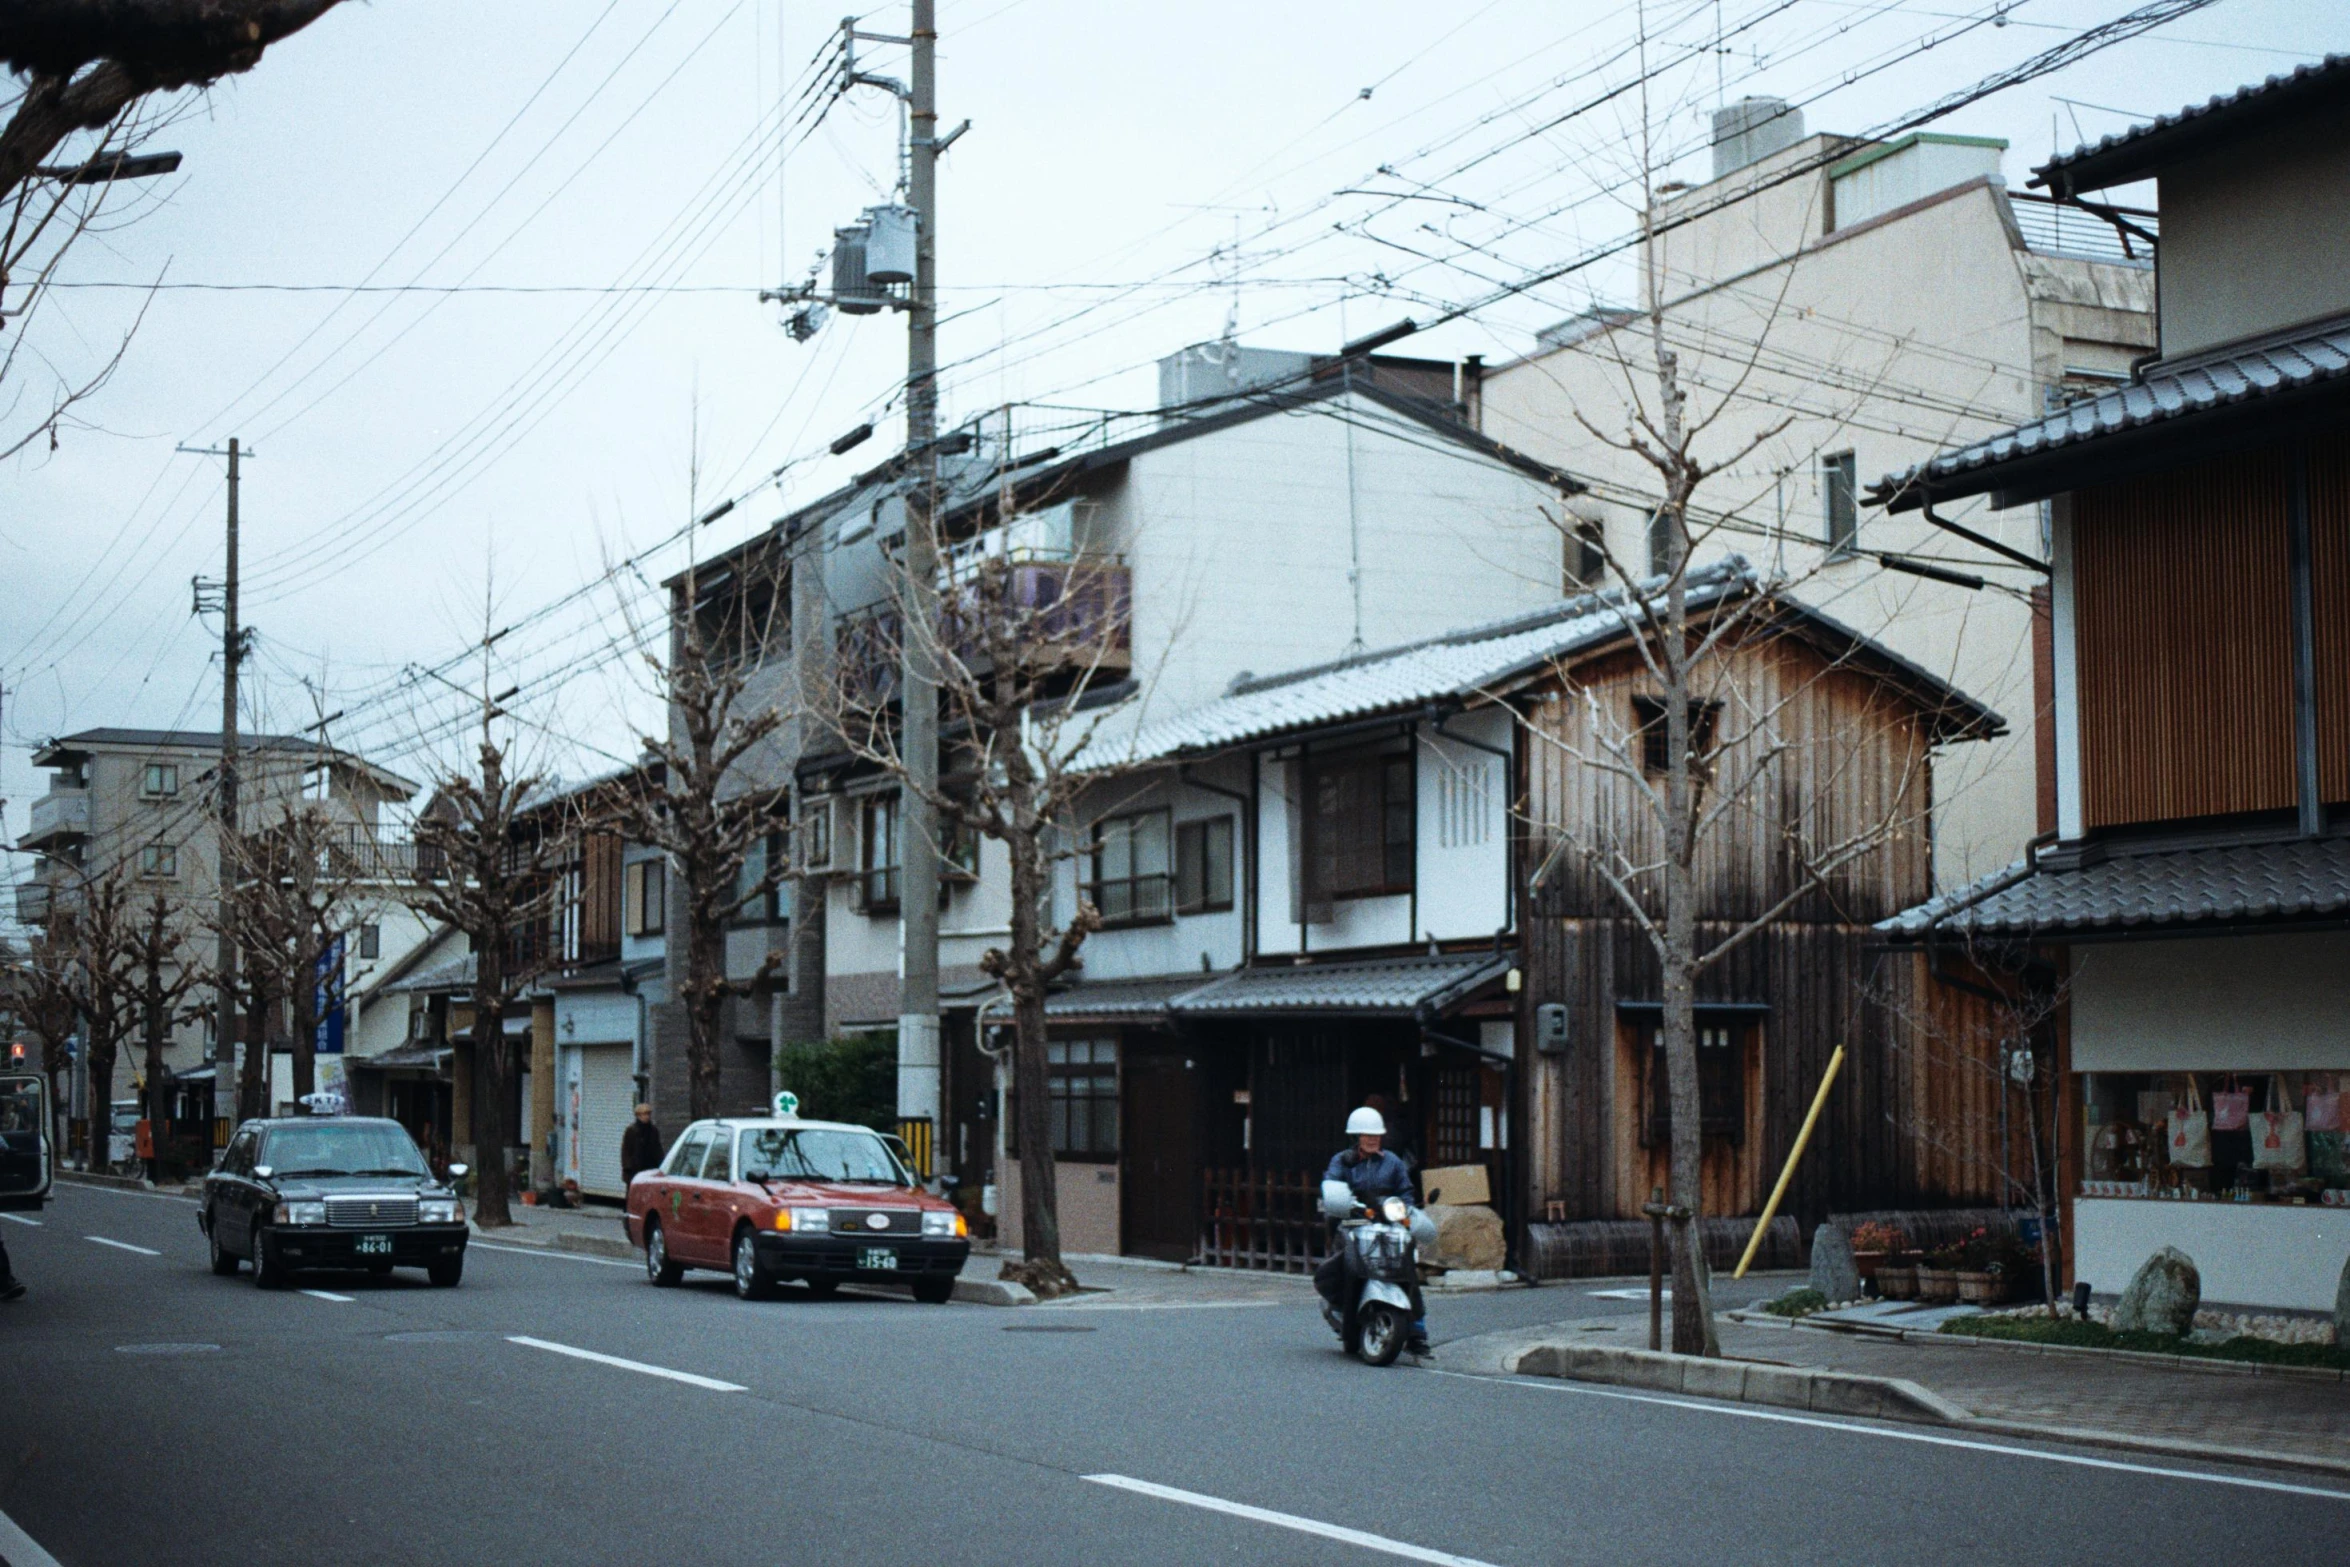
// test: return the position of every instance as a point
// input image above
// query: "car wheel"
(1383, 1334)
(822, 1289)
(447, 1272)
(658, 1268)
(224, 1261)
(269, 1272)
(935, 1291)
(751, 1282)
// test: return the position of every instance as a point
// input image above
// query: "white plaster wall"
(2253, 237)
(2249, 1254)
(1277, 928)
(1177, 946)
(2242, 1003)
(591, 1018)
(1894, 341)
(1463, 872)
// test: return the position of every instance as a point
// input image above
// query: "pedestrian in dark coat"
(641, 1146)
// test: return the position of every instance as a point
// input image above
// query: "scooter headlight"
(1395, 1210)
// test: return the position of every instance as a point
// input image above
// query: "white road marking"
(1632, 1294)
(340, 1300)
(1970, 1444)
(1159, 1305)
(123, 1246)
(18, 1218)
(1265, 1515)
(559, 1256)
(18, 1549)
(687, 1377)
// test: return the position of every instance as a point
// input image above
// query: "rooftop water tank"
(889, 244)
(1751, 129)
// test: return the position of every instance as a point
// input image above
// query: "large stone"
(2342, 1309)
(1833, 1272)
(1468, 1236)
(2162, 1296)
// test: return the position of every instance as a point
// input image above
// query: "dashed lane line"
(144, 1251)
(340, 1300)
(1266, 1515)
(18, 1549)
(638, 1366)
(1891, 1434)
(18, 1218)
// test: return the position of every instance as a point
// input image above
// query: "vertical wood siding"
(2329, 540)
(2183, 604)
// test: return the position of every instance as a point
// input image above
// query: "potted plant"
(1875, 1246)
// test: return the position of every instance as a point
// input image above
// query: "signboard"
(328, 993)
(24, 1140)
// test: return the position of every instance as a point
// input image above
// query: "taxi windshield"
(780, 1153)
(351, 1148)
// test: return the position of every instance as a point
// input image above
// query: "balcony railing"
(2058, 228)
(58, 815)
(1078, 615)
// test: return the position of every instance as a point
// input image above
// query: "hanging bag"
(2277, 1141)
(2190, 1132)
(2322, 1112)
(2231, 1108)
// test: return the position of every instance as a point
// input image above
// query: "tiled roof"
(2294, 880)
(1462, 666)
(455, 974)
(1110, 1000)
(2310, 357)
(1375, 987)
(2131, 154)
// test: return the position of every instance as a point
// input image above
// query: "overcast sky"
(421, 453)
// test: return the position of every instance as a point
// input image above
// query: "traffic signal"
(16, 1054)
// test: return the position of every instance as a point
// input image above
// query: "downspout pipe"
(2024, 872)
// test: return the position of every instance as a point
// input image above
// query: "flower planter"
(1937, 1286)
(1982, 1289)
(1866, 1264)
(1898, 1281)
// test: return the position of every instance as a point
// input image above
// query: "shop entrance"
(1160, 1190)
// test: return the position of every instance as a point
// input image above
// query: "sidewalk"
(597, 1232)
(2216, 1411)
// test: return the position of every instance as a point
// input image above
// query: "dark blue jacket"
(1383, 1174)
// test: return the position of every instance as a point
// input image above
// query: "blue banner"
(328, 992)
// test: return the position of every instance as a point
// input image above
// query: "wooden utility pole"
(920, 1088)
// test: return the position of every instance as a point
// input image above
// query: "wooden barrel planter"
(1898, 1281)
(1937, 1286)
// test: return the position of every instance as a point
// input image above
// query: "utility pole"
(232, 652)
(920, 1086)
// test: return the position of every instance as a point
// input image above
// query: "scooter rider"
(1372, 1173)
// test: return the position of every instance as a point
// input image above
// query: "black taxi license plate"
(877, 1259)
(374, 1246)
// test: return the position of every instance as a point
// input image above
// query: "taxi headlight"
(814, 1220)
(440, 1210)
(1395, 1210)
(300, 1213)
(944, 1222)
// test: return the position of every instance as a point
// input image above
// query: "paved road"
(404, 1423)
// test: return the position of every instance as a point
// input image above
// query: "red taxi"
(771, 1198)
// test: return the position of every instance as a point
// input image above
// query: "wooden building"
(2190, 896)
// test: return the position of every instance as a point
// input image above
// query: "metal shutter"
(605, 1091)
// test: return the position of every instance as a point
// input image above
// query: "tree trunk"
(705, 990)
(99, 1126)
(491, 1091)
(158, 1097)
(1040, 1207)
(253, 1080)
(305, 1041)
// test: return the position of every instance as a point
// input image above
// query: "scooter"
(1382, 1262)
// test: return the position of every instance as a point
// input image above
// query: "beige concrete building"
(1841, 309)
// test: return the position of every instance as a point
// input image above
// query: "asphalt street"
(557, 1408)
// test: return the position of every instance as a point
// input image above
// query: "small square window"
(1203, 866)
(371, 942)
(1839, 502)
(1648, 718)
(160, 780)
(816, 834)
(1586, 554)
(644, 894)
(159, 860)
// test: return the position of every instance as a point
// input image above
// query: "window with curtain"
(1131, 882)
(1360, 826)
(1203, 866)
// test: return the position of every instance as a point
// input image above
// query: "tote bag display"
(2277, 1142)
(2322, 1112)
(2231, 1108)
(2190, 1132)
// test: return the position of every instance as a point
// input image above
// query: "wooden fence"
(1265, 1219)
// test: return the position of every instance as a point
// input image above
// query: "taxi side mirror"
(457, 1171)
(265, 1171)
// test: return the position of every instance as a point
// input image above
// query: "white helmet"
(1366, 1122)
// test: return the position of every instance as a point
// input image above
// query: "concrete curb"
(993, 1292)
(1462, 1281)
(1745, 1382)
(119, 1183)
(2206, 1364)
(595, 1245)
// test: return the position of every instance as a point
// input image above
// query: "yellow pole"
(1819, 1102)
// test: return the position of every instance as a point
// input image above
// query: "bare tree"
(304, 882)
(483, 870)
(102, 68)
(1018, 647)
(109, 989)
(167, 973)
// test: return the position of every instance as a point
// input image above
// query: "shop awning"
(420, 1056)
(1419, 988)
(2145, 892)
